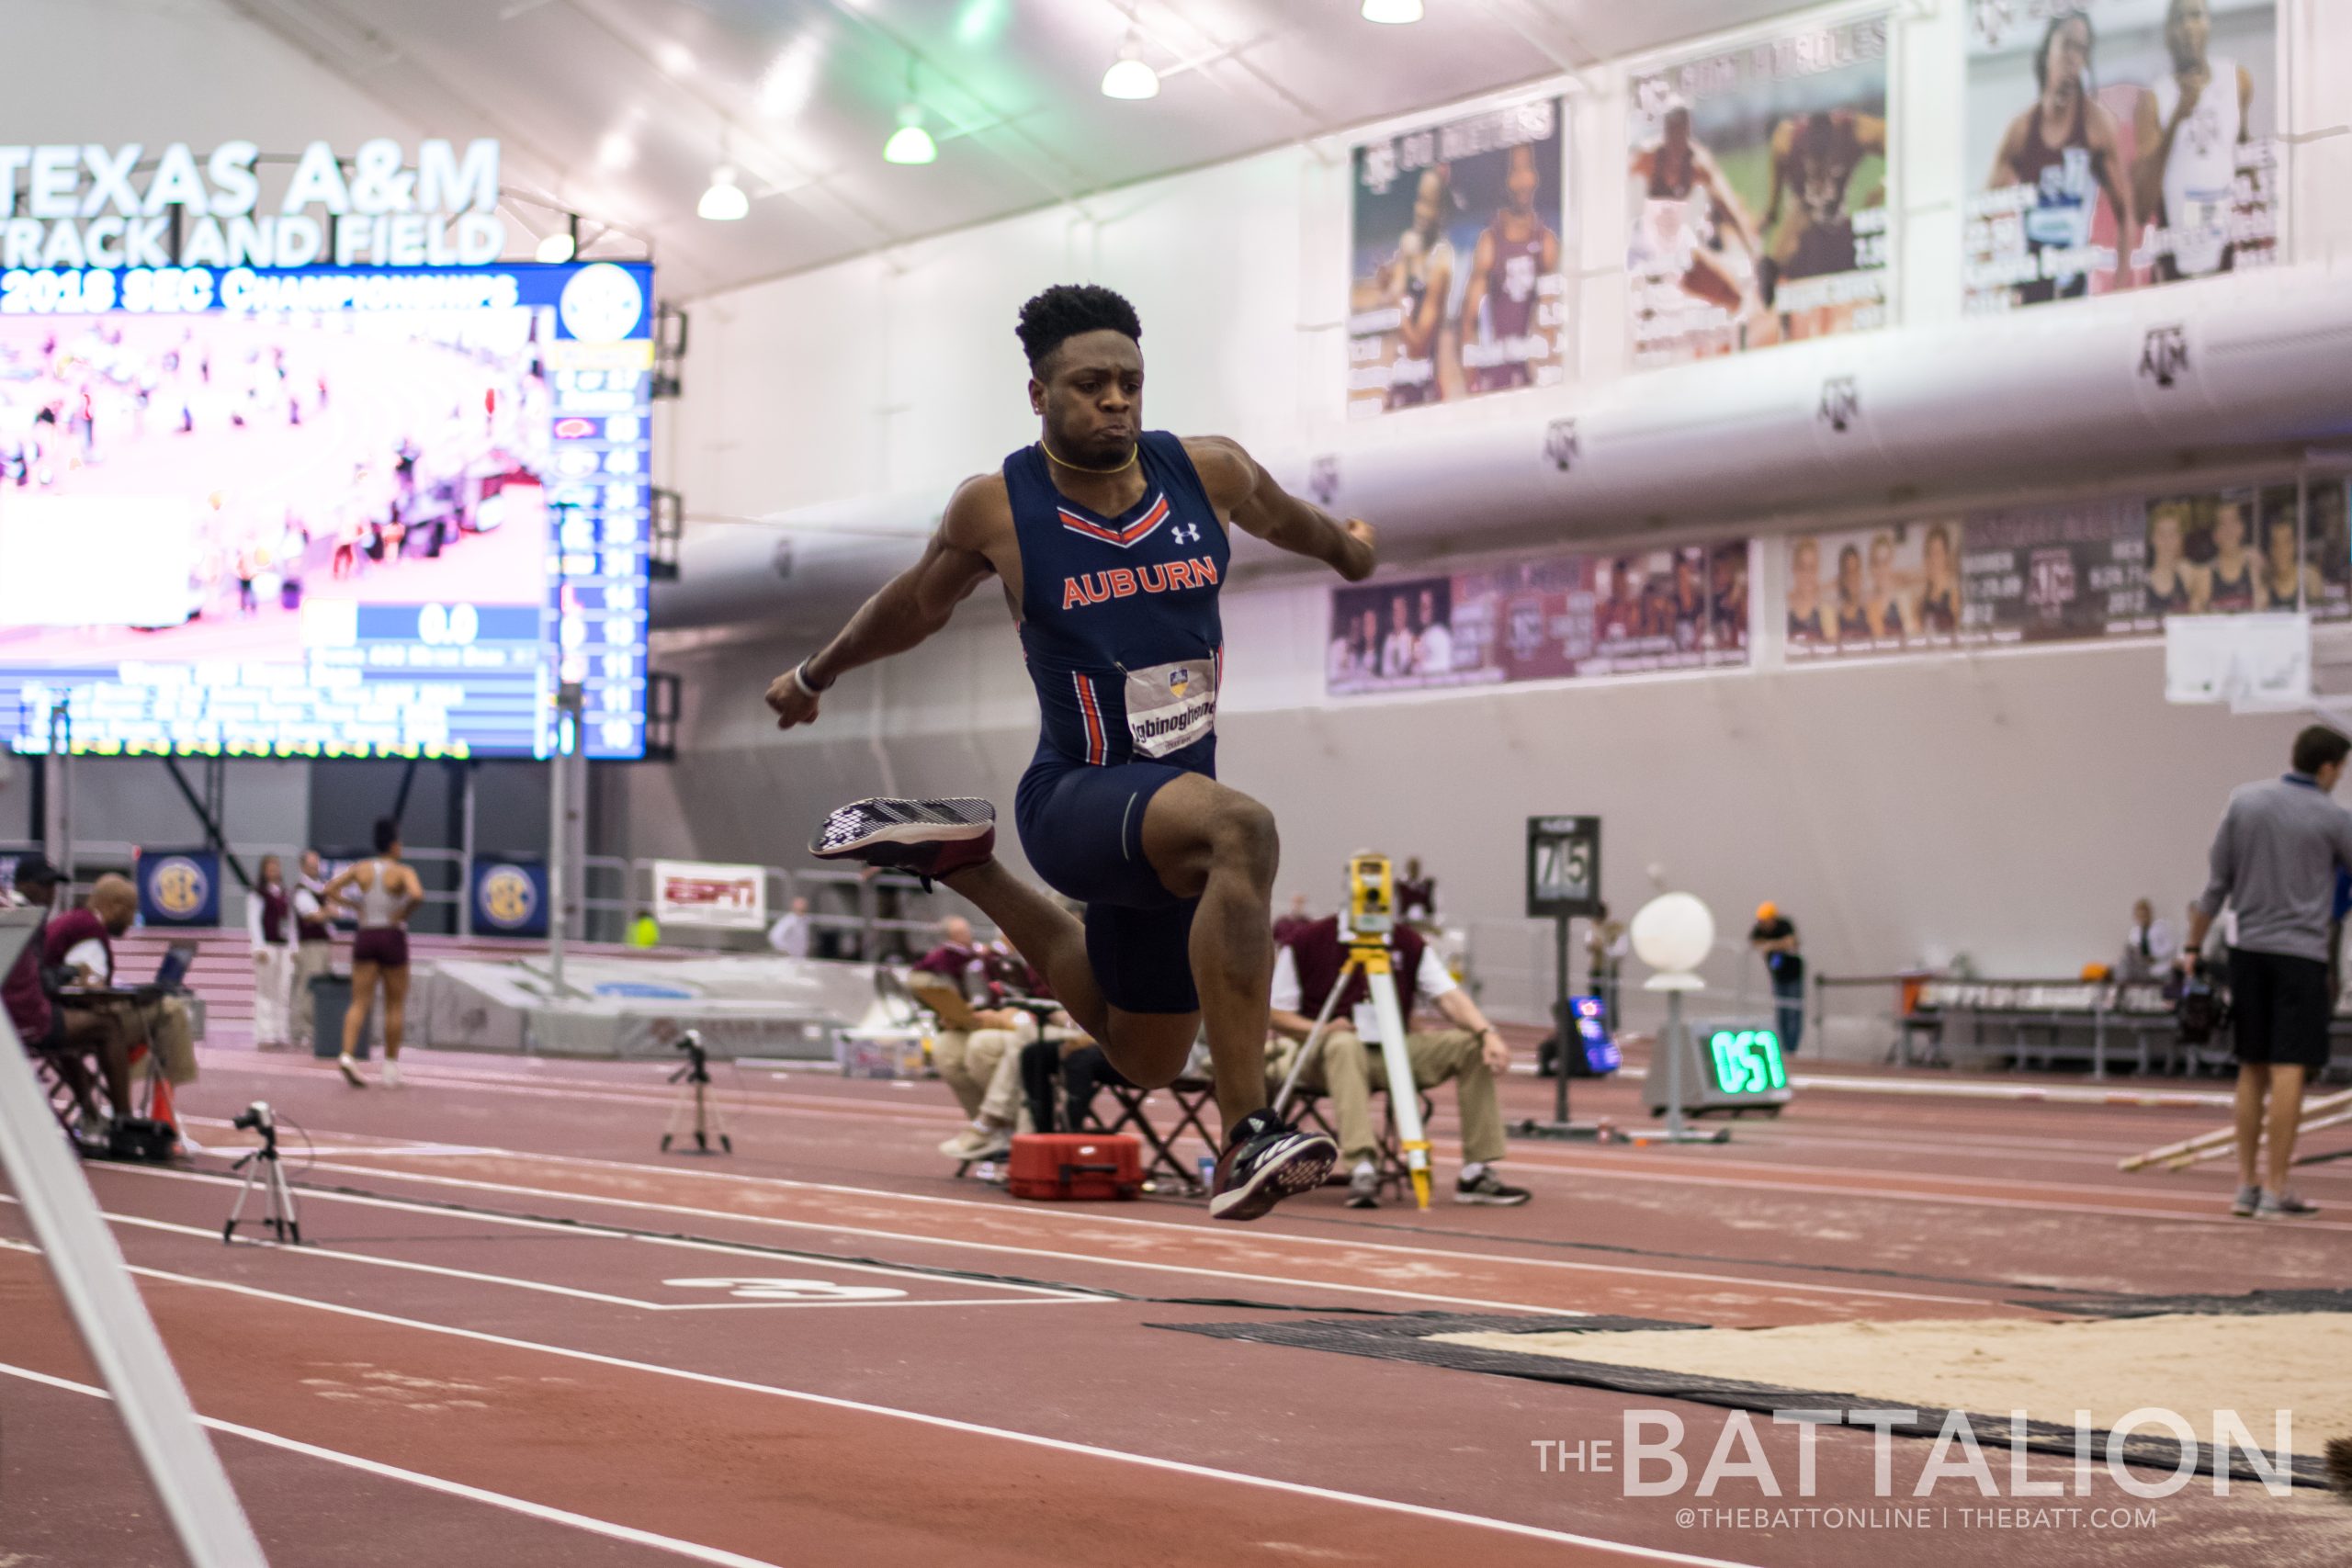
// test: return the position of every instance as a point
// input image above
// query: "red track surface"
(446, 1376)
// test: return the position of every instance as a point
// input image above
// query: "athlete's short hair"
(1068, 310)
(386, 832)
(2050, 36)
(2317, 746)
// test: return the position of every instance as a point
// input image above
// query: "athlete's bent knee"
(1243, 835)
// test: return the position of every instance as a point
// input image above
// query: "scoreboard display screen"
(324, 512)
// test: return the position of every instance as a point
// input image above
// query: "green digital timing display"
(1747, 1061)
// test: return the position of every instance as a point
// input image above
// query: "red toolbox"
(1083, 1166)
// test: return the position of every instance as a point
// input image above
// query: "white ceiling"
(620, 108)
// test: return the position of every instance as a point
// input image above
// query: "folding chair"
(1387, 1159)
(1191, 1096)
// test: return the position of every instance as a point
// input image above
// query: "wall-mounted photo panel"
(1456, 289)
(1758, 182)
(2117, 144)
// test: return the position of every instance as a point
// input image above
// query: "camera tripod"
(262, 1165)
(696, 1111)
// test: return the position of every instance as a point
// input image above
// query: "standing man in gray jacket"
(2273, 862)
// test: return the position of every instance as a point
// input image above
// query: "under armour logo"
(1187, 532)
(2164, 356)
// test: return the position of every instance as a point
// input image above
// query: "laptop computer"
(171, 974)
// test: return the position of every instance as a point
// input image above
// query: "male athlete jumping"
(1111, 543)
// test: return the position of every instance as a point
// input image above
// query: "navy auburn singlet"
(1119, 615)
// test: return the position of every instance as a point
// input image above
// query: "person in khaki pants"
(1348, 1063)
(313, 945)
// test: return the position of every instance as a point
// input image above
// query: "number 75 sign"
(1562, 867)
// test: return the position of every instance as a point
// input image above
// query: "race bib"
(1171, 705)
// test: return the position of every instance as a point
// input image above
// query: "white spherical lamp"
(1673, 933)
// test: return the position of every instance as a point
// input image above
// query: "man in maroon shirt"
(62, 1034)
(82, 941)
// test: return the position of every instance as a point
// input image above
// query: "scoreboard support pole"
(1674, 1045)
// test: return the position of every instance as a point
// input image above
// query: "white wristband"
(800, 679)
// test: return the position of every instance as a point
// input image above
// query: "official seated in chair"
(1078, 1067)
(81, 942)
(976, 1048)
(49, 1032)
(1348, 1065)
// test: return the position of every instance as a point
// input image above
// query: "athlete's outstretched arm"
(904, 611)
(1249, 494)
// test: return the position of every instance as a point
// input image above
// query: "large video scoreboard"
(323, 511)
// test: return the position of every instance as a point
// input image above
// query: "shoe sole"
(1301, 1171)
(924, 825)
(1512, 1203)
(351, 1075)
(2286, 1214)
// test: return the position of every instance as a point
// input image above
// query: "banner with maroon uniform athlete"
(2115, 145)
(1757, 177)
(1456, 289)
(1683, 607)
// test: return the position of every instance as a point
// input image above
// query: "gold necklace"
(1133, 452)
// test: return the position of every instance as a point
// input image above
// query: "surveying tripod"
(1372, 915)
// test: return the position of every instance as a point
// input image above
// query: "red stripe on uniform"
(1123, 537)
(1094, 717)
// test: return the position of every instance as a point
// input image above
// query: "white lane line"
(1422, 1254)
(944, 1423)
(584, 1232)
(1417, 1255)
(433, 1483)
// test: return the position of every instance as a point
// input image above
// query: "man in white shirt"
(791, 931)
(2148, 946)
(1348, 1063)
(1433, 652)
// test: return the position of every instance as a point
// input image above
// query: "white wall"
(2007, 805)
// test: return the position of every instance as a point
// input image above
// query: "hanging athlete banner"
(1757, 178)
(1881, 589)
(1456, 288)
(1560, 618)
(2117, 143)
(2086, 569)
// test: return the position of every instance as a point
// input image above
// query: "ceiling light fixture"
(1394, 13)
(911, 143)
(561, 246)
(723, 202)
(1130, 77)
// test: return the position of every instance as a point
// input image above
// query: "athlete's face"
(1937, 556)
(1091, 398)
(2070, 56)
(2189, 29)
(1850, 572)
(1677, 128)
(2229, 529)
(1521, 179)
(1805, 564)
(1429, 201)
(1881, 559)
(2282, 538)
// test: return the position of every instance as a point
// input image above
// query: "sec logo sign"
(509, 898)
(179, 887)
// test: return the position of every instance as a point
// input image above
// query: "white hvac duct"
(2130, 382)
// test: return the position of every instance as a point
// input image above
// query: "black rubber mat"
(1410, 1340)
(2254, 1303)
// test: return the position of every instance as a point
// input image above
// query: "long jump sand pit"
(2257, 1365)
